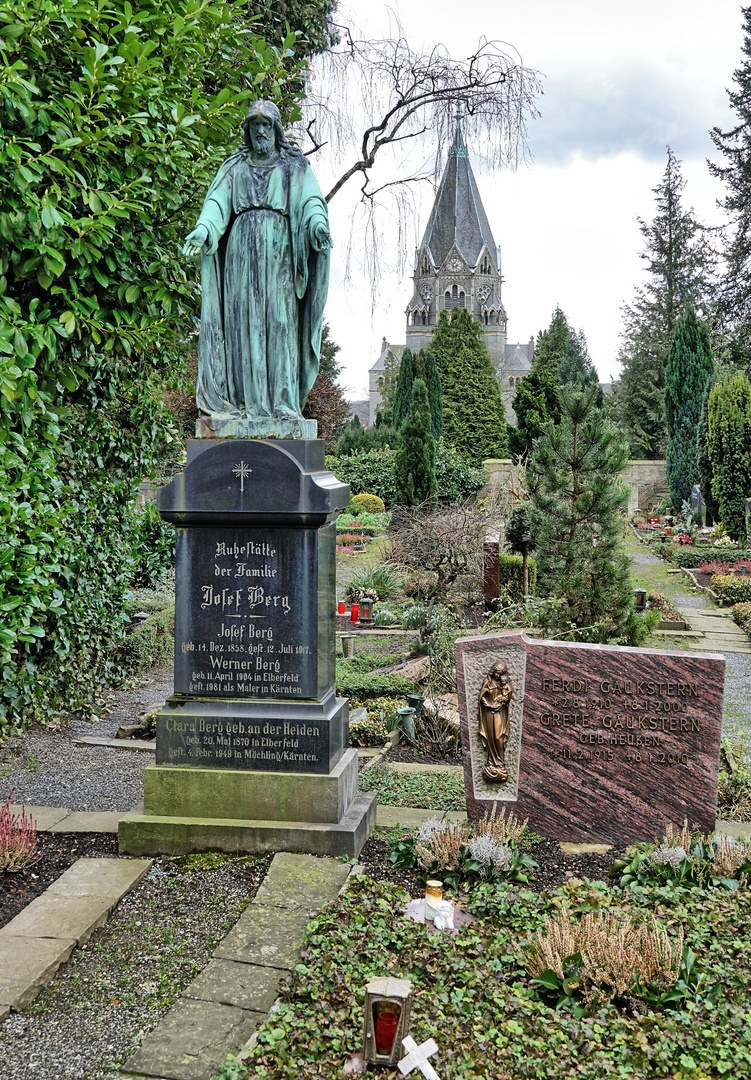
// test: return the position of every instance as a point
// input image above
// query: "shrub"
(714, 566)
(511, 574)
(368, 732)
(379, 582)
(18, 839)
(371, 504)
(364, 686)
(373, 471)
(687, 859)
(731, 589)
(742, 615)
(688, 558)
(150, 643)
(153, 545)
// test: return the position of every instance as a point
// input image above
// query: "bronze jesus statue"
(264, 240)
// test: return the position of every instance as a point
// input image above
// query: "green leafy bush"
(151, 642)
(371, 504)
(742, 615)
(113, 122)
(153, 544)
(510, 573)
(363, 686)
(732, 588)
(457, 480)
(370, 731)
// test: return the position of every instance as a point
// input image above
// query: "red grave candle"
(342, 609)
(355, 613)
(387, 1021)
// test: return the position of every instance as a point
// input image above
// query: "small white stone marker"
(417, 1058)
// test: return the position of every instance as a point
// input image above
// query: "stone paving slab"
(411, 817)
(147, 745)
(43, 935)
(43, 816)
(269, 937)
(301, 881)
(193, 1039)
(27, 964)
(419, 767)
(104, 821)
(248, 986)
(109, 879)
(49, 916)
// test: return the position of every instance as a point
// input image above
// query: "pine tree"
(414, 466)
(688, 368)
(734, 302)
(729, 446)
(679, 262)
(329, 349)
(474, 420)
(576, 368)
(428, 372)
(575, 519)
(536, 400)
(402, 402)
(325, 402)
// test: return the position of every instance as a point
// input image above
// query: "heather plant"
(714, 566)
(603, 956)
(18, 839)
(457, 852)
(688, 859)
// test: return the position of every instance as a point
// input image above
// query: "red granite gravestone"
(598, 743)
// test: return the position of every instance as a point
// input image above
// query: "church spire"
(458, 217)
(458, 149)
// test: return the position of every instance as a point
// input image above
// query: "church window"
(461, 299)
(485, 317)
(425, 266)
(424, 319)
(380, 382)
(485, 267)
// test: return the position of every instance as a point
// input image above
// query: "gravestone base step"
(148, 834)
(184, 791)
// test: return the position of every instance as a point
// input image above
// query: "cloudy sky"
(620, 82)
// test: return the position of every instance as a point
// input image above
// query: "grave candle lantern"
(386, 1022)
(433, 897)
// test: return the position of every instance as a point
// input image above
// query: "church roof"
(386, 348)
(518, 358)
(458, 216)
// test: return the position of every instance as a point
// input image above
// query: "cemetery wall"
(648, 480)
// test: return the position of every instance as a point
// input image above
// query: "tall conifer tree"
(428, 372)
(687, 372)
(536, 400)
(734, 304)
(474, 420)
(414, 465)
(729, 446)
(403, 393)
(575, 518)
(679, 262)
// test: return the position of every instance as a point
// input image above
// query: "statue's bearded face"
(261, 133)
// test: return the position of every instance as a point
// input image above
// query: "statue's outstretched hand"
(196, 240)
(321, 237)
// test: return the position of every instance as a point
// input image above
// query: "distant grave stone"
(590, 742)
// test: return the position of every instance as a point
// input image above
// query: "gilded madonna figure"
(495, 696)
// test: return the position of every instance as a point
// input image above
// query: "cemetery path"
(719, 633)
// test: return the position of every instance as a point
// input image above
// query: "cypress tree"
(688, 369)
(414, 466)
(474, 420)
(403, 392)
(729, 446)
(428, 372)
(575, 518)
(703, 460)
(536, 400)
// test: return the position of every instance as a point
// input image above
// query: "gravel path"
(43, 767)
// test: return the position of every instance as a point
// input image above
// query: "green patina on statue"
(264, 241)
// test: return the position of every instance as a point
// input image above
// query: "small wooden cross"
(417, 1058)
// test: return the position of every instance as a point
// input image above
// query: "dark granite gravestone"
(600, 743)
(254, 658)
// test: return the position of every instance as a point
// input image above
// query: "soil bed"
(410, 756)
(555, 868)
(59, 852)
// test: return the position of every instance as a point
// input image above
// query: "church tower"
(458, 263)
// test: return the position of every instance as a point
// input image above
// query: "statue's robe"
(263, 288)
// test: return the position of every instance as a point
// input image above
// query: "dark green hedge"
(510, 573)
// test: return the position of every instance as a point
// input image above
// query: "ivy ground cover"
(474, 996)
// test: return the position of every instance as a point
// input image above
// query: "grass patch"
(428, 790)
